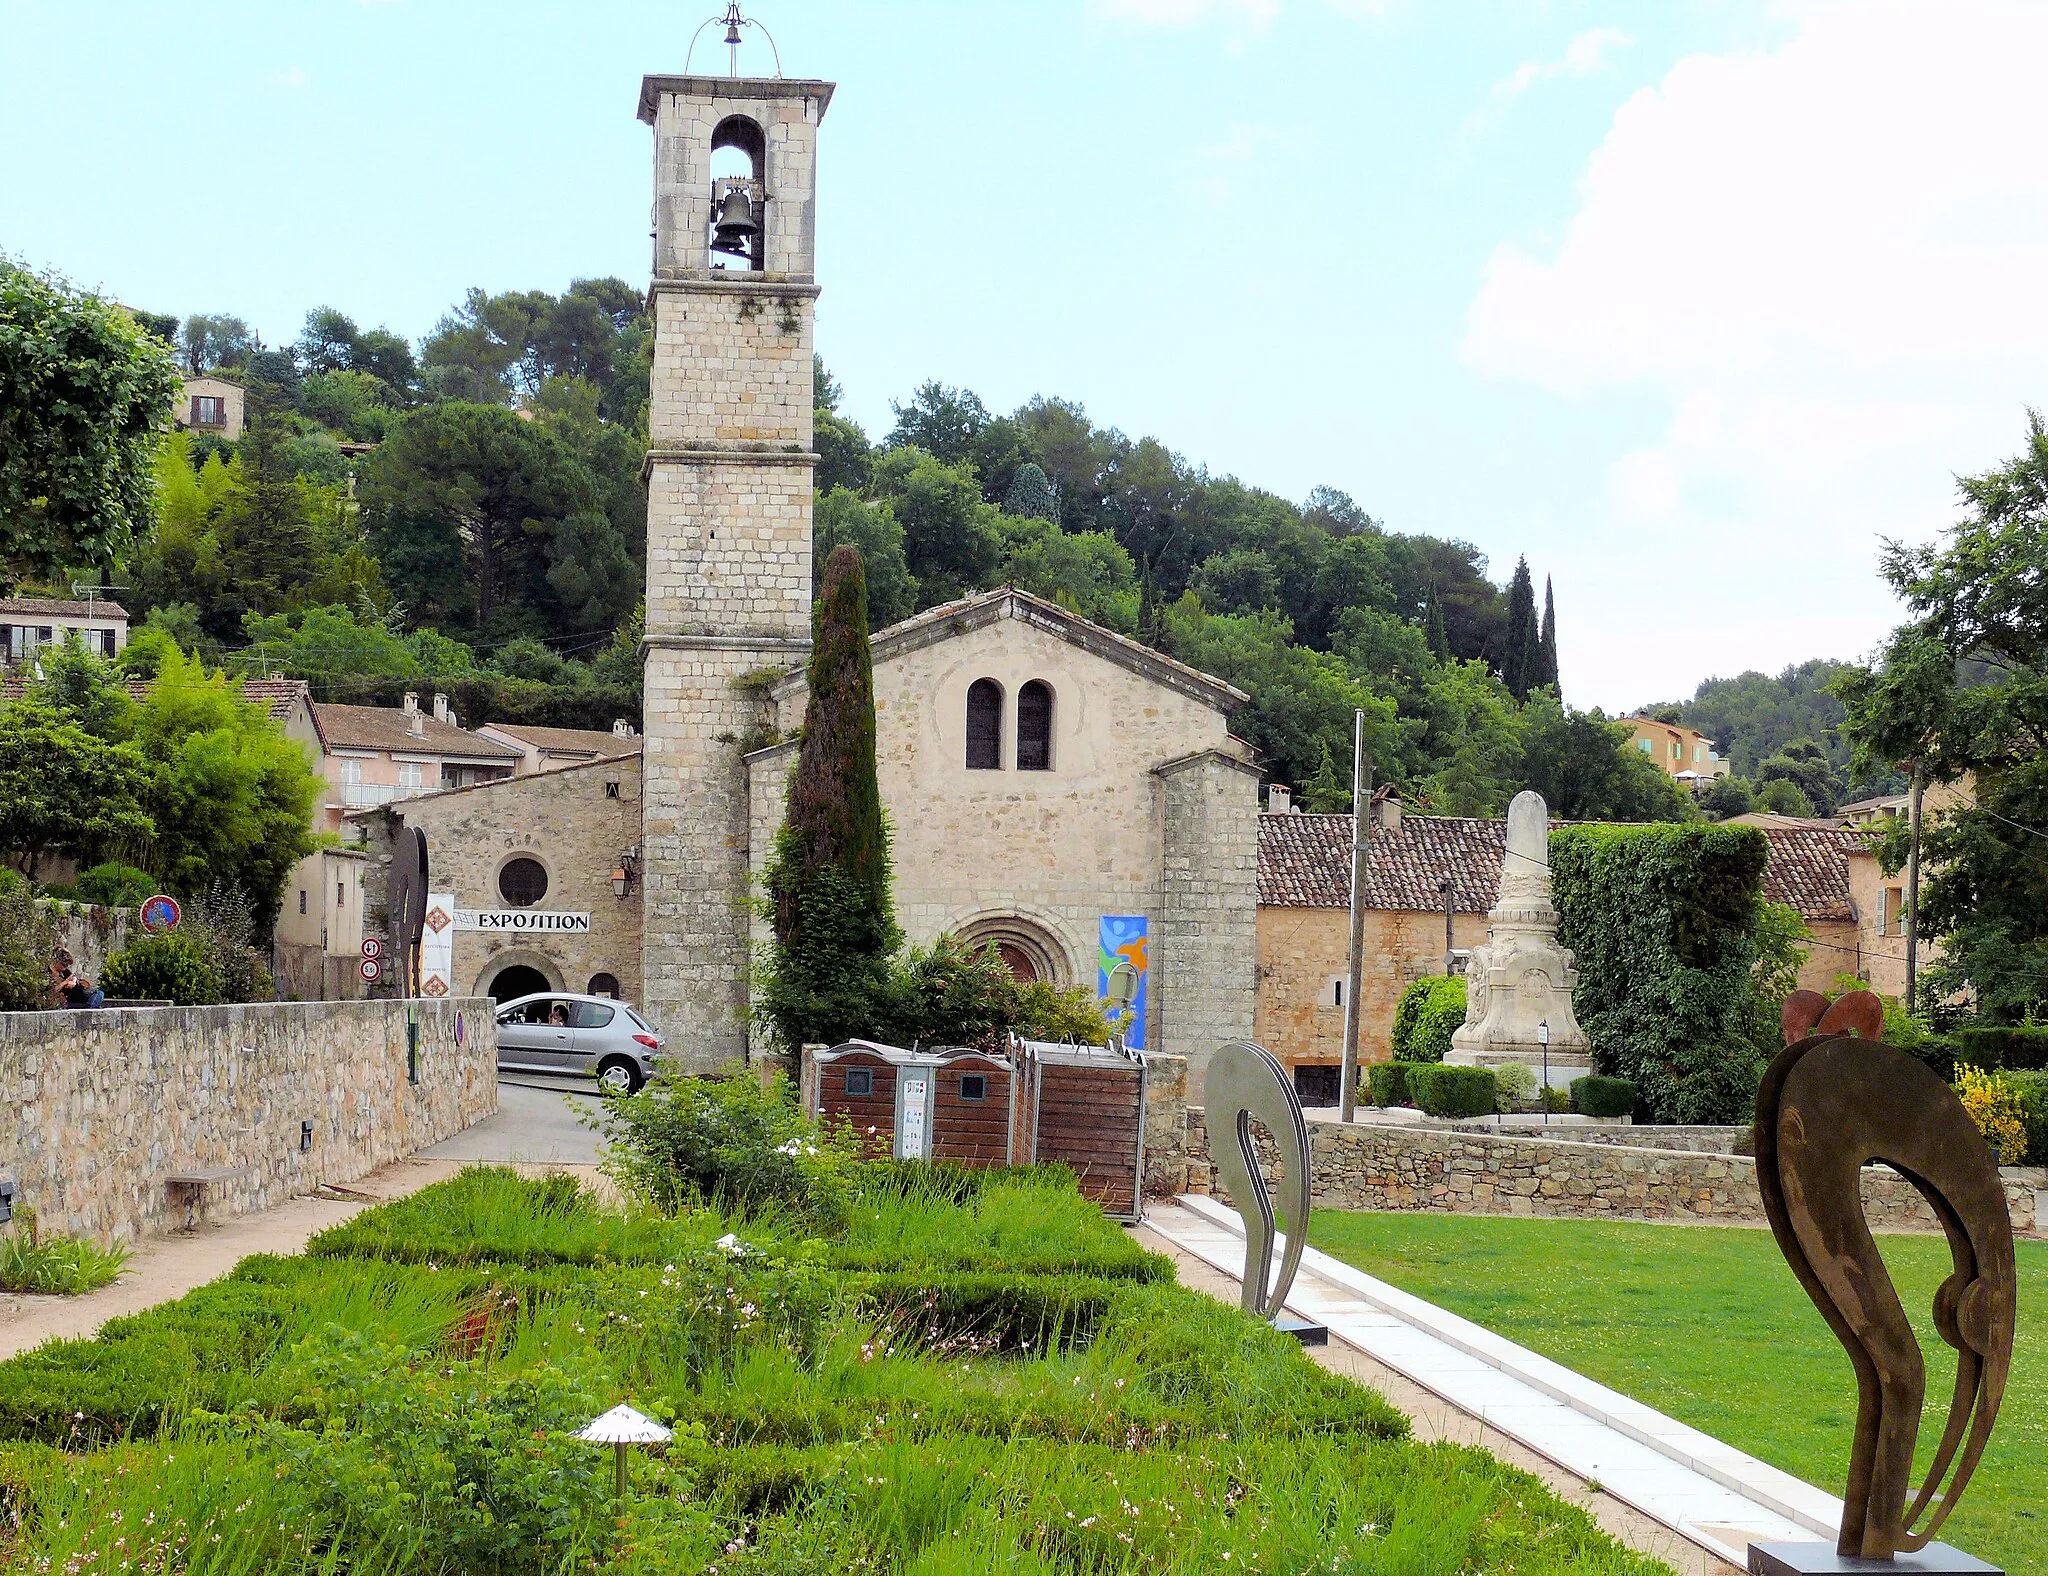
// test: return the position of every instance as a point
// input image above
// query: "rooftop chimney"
(622, 729)
(1386, 810)
(416, 723)
(412, 701)
(441, 709)
(1279, 798)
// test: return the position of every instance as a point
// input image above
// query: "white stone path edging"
(1704, 1490)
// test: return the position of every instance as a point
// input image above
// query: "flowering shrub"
(1994, 1105)
(735, 1141)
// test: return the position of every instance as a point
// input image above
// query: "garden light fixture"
(620, 1427)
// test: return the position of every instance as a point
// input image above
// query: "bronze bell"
(736, 224)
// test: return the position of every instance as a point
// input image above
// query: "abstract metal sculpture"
(1830, 1104)
(1246, 1081)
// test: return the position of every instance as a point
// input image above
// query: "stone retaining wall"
(98, 1108)
(1385, 1166)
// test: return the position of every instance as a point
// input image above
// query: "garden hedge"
(1452, 1091)
(2003, 1048)
(1594, 1095)
(1428, 1013)
(2033, 1093)
(1389, 1081)
(1663, 920)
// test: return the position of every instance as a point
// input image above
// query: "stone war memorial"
(1519, 983)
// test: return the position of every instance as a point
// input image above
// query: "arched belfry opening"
(739, 194)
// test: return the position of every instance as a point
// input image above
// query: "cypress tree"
(1439, 641)
(1546, 664)
(1519, 667)
(828, 881)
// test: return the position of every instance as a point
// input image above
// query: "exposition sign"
(523, 921)
(437, 946)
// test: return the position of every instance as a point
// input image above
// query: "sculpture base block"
(1304, 1332)
(1820, 1559)
(1564, 1065)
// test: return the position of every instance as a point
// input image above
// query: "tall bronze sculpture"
(1246, 1081)
(1830, 1104)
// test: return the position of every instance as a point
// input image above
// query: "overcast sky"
(1690, 302)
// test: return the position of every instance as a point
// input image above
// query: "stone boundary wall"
(1166, 1126)
(1388, 1167)
(97, 1108)
(1698, 1140)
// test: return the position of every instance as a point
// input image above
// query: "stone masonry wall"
(1368, 1166)
(1207, 971)
(101, 1106)
(1302, 949)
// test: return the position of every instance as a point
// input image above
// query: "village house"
(549, 749)
(29, 625)
(212, 404)
(372, 755)
(1678, 751)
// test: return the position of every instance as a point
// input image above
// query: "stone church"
(1042, 774)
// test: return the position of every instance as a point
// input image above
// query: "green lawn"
(1707, 1324)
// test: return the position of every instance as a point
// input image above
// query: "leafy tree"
(1242, 580)
(1804, 765)
(230, 795)
(177, 966)
(350, 402)
(211, 342)
(84, 391)
(461, 503)
(950, 536)
(828, 878)
(328, 643)
(264, 527)
(1083, 570)
(841, 517)
(942, 421)
(1583, 766)
(65, 791)
(1727, 797)
(1472, 740)
(492, 348)
(1781, 796)
(28, 933)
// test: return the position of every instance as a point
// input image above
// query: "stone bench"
(189, 1188)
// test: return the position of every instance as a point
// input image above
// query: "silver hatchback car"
(574, 1036)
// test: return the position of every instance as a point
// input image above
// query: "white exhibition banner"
(437, 946)
(522, 921)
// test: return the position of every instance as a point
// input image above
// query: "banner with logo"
(522, 921)
(1124, 940)
(437, 946)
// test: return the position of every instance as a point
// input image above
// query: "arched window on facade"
(984, 726)
(1034, 727)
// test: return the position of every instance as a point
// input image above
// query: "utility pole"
(1361, 797)
(1913, 890)
(1449, 887)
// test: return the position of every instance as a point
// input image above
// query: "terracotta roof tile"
(1809, 869)
(1305, 862)
(50, 607)
(599, 742)
(275, 695)
(387, 728)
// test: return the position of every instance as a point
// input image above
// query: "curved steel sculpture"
(1246, 1081)
(1829, 1105)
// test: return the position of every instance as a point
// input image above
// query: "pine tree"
(1031, 496)
(1519, 667)
(1439, 641)
(828, 881)
(1546, 661)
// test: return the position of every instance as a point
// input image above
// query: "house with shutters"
(212, 404)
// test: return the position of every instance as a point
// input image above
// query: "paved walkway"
(1716, 1497)
(537, 1122)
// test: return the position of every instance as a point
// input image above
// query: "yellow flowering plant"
(1994, 1105)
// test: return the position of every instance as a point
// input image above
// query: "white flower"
(733, 1245)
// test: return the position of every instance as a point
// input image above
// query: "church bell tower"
(728, 516)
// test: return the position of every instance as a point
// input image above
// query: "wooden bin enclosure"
(949, 1103)
(1084, 1106)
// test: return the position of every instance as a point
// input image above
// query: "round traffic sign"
(373, 970)
(161, 913)
(373, 946)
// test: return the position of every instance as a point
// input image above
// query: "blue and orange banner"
(1124, 939)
